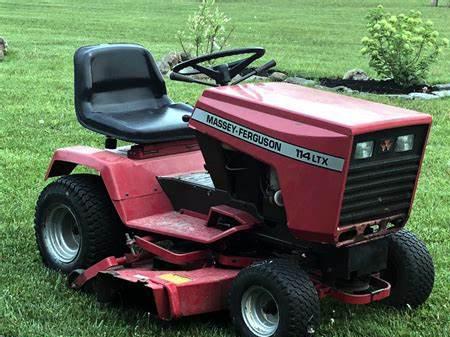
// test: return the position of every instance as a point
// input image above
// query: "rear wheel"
(274, 298)
(410, 271)
(76, 224)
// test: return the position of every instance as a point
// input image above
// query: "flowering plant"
(401, 47)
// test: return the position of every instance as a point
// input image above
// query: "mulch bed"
(375, 86)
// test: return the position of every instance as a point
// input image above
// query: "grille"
(383, 185)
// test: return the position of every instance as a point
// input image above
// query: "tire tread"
(411, 258)
(103, 228)
(296, 285)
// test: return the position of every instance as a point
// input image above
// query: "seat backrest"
(116, 78)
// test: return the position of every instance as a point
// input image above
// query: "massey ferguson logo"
(386, 145)
(267, 142)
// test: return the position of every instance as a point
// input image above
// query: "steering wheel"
(222, 74)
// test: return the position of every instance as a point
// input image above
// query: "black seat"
(119, 92)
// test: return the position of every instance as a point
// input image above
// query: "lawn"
(311, 38)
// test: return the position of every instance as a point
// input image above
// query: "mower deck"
(177, 293)
(181, 293)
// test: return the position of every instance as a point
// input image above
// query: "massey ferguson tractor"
(261, 199)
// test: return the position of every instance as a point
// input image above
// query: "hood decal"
(261, 140)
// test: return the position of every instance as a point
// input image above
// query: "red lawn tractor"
(261, 199)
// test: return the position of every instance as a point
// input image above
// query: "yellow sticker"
(176, 279)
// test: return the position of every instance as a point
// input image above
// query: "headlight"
(404, 143)
(364, 150)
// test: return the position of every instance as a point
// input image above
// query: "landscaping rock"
(253, 78)
(300, 81)
(400, 96)
(442, 93)
(185, 56)
(443, 86)
(164, 68)
(344, 89)
(171, 60)
(277, 76)
(201, 77)
(256, 78)
(356, 75)
(3, 46)
(420, 95)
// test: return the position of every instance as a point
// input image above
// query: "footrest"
(190, 227)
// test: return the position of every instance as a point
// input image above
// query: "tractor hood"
(334, 112)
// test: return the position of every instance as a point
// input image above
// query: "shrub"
(206, 30)
(401, 47)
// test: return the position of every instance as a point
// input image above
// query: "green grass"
(312, 38)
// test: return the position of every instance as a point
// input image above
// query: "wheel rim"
(62, 234)
(260, 311)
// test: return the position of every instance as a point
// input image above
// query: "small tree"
(401, 47)
(206, 30)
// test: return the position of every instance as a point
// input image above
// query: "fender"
(132, 185)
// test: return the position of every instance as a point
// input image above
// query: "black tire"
(85, 204)
(410, 271)
(296, 300)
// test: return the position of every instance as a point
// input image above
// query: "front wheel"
(410, 271)
(76, 224)
(274, 298)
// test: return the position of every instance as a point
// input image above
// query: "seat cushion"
(120, 92)
(144, 126)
